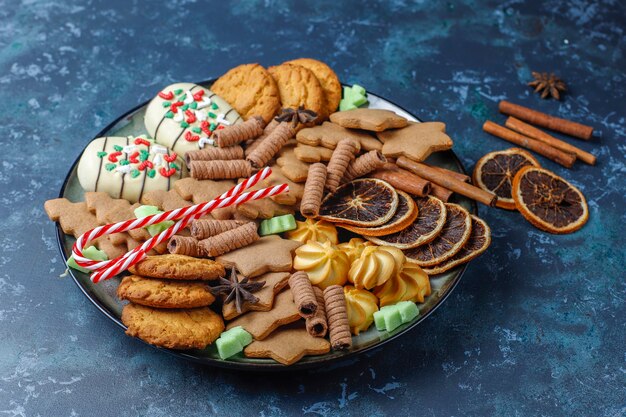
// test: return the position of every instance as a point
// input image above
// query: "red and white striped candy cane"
(107, 269)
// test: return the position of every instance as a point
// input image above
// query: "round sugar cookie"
(298, 86)
(127, 167)
(184, 115)
(327, 78)
(251, 90)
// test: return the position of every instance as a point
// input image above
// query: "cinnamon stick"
(440, 192)
(557, 155)
(446, 181)
(454, 174)
(532, 132)
(402, 180)
(538, 118)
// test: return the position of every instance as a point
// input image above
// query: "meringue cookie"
(354, 248)
(323, 262)
(317, 230)
(410, 283)
(362, 305)
(374, 267)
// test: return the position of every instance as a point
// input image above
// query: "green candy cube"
(353, 97)
(408, 310)
(153, 229)
(232, 341)
(92, 253)
(278, 224)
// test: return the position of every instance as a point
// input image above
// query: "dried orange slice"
(478, 242)
(455, 233)
(494, 172)
(548, 201)
(405, 215)
(429, 222)
(366, 202)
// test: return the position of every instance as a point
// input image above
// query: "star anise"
(548, 85)
(239, 291)
(295, 116)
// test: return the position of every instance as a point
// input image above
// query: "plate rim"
(243, 366)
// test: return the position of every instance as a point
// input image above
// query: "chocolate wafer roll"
(220, 170)
(317, 325)
(342, 156)
(201, 229)
(237, 133)
(252, 144)
(211, 153)
(230, 240)
(303, 294)
(271, 144)
(313, 190)
(363, 165)
(184, 245)
(337, 316)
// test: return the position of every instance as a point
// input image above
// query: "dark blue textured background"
(536, 326)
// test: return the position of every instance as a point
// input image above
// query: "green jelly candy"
(408, 310)
(277, 225)
(353, 97)
(92, 253)
(393, 319)
(153, 229)
(379, 320)
(232, 342)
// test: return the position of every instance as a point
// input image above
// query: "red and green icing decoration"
(183, 109)
(132, 159)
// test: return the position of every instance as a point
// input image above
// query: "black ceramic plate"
(102, 295)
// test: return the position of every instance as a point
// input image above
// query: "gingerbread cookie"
(329, 134)
(375, 120)
(290, 165)
(126, 167)
(298, 86)
(288, 345)
(160, 293)
(173, 328)
(251, 90)
(274, 283)
(178, 267)
(111, 210)
(391, 134)
(75, 219)
(416, 141)
(164, 200)
(183, 117)
(199, 191)
(327, 78)
(265, 208)
(261, 324)
(290, 198)
(312, 154)
(268, 254)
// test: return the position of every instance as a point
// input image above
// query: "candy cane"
(110, 268)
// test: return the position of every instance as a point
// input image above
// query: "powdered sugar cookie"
(183, 116)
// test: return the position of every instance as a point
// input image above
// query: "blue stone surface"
(536, 326)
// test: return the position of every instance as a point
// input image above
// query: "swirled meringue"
(323, 262)
(362, 305)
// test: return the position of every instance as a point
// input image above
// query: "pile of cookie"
(273, 278)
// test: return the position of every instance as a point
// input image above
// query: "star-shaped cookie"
(261, 324)
(416, 141)
(164, 200)
(288, 345)
(274, 283)
(199, 191)
(268, 254)
(329, 134)
(296, 190)
(375, 120)
(290, 165)
(265, 208)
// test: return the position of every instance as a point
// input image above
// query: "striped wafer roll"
(337, 316)
(313, 190)
(342, 156)
(237, 133)
(210, 153)
(230, 240)
(363, 165)
(252, 144)
(270, 146)
(303, 294)
(184, 245)
(317, 325)
(201, 229)
(220, 170)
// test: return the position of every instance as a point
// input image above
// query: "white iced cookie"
(127, 167)
(184, 115)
